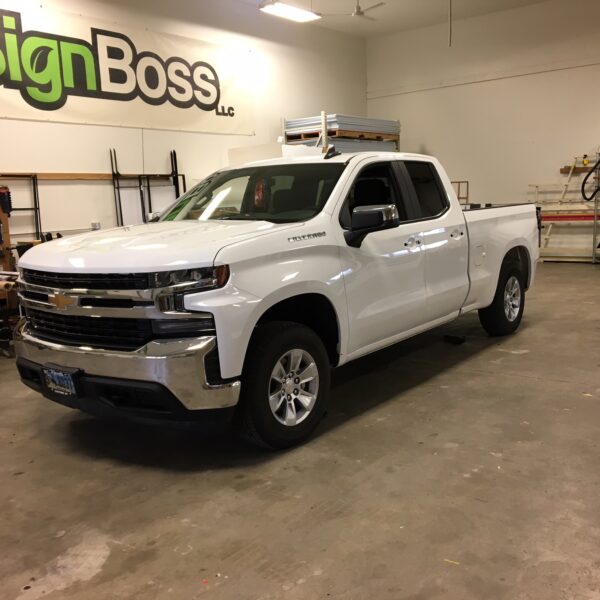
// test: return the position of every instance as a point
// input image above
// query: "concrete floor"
(441, 472)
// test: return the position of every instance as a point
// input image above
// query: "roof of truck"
(340, 158)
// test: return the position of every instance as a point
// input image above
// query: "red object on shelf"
(567, 217)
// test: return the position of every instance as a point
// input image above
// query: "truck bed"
(493, 230)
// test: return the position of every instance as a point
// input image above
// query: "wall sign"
(74, 71)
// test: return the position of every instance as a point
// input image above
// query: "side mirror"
(152, 217)
(368, 219)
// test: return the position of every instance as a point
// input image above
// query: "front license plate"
(59, 382)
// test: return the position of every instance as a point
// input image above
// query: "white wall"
(302, 69)
(514, 98)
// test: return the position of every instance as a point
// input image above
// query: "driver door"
(385, 278)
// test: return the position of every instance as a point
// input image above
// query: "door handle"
(412, 240)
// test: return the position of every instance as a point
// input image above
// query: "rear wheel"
(285, 385)
(503, 315)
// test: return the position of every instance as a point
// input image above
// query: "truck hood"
(145, 248)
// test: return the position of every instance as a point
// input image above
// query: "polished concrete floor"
(441, 471)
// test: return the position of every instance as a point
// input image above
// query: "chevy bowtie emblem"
(61, 301)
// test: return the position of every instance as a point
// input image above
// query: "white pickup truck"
(244, 293)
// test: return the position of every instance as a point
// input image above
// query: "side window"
(428, 188)
(374, 185)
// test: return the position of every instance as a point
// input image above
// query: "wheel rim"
(512, 298)
(293, 387)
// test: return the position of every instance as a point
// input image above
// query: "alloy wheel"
(293, 387)
(512, 298)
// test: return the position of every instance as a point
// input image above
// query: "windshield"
(278, 193)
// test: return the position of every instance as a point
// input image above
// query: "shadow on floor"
(373, 380)
(357, 388)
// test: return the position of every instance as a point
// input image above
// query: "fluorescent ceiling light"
(287, 11)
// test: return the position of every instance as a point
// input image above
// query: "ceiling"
(399, 15)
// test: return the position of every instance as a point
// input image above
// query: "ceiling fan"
(358, 11)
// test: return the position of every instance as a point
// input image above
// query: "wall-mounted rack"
(35, 209)
(143, 182)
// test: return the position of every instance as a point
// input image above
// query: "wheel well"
(314, 311)
(519, 255)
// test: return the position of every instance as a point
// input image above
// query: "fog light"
(183, 327)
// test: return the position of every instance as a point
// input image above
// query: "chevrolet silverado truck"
(242, 295)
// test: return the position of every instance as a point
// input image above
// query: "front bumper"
(172, 372)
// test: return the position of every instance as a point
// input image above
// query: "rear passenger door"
(445, 245)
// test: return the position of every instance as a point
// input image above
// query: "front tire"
(503, 315)
(285, 385)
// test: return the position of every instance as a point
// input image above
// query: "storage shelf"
(576, 171)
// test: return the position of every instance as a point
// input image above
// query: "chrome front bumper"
(178, 365)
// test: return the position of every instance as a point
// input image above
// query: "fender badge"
(307, 236)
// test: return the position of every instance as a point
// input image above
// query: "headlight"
(187, 281)
(203, 278)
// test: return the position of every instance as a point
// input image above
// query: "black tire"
(494, 318)
(256, 420)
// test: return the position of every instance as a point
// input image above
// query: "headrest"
(371, 191)
(287, 200)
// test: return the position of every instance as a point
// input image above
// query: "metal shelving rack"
(563, 207)
(143, 183)
(37, 219)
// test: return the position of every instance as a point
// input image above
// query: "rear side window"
(430, 195)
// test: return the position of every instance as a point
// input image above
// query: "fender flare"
(512, 245)
(293, 290)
